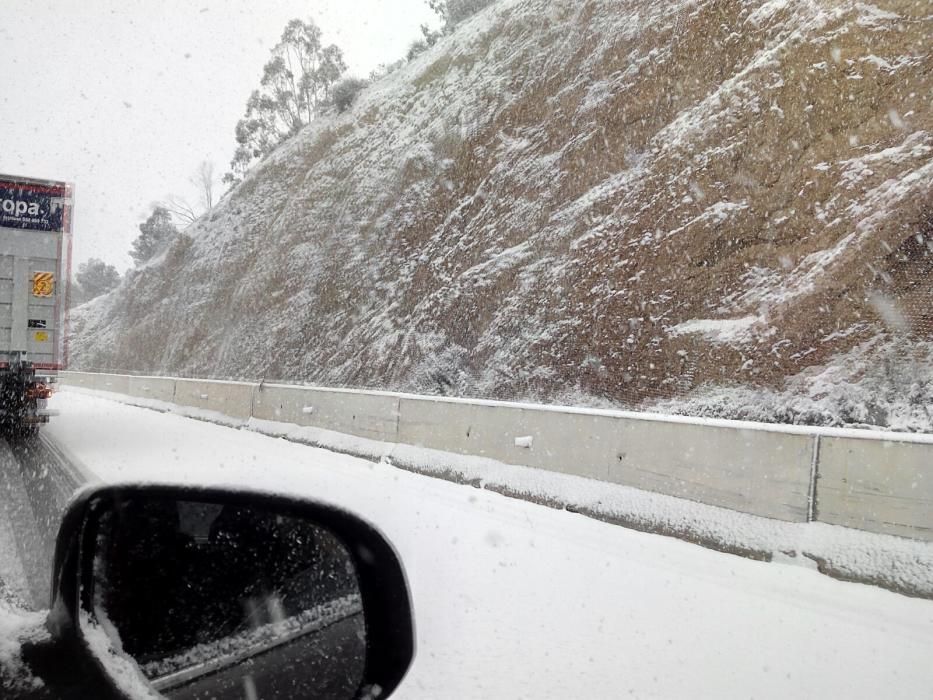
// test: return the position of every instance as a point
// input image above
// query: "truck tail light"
(39, 391)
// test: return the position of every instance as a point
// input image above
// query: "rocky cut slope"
(604, 201)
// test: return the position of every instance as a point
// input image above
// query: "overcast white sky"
(126, 98)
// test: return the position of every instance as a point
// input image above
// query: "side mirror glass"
(193, 596)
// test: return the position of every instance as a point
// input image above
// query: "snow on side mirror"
(183, 593)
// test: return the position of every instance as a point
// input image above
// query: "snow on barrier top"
(870, 480)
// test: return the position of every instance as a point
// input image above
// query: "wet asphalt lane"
(36, 483)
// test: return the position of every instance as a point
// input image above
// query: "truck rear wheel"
(19, 408)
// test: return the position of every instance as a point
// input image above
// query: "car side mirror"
(184, 593)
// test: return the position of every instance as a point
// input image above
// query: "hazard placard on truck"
(35, 247)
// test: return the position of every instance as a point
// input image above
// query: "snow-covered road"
(517, 600)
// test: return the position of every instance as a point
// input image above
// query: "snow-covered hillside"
(603, 201)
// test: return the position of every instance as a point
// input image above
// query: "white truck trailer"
(35, 255)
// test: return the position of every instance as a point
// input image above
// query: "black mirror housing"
(381, 587)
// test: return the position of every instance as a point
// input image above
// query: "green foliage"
(154, 234)
(429, 36)
(296, 83)
(384, 69)
(344, 93)
(418, 47)
(453, 12)
(94, 277)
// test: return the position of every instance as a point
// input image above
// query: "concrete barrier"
(365, 414)
(82, 379)
(492, 429)
(867, 480)
(117, 383)
(882, 486)
(234, 399)
(157, 388)
(751, 470)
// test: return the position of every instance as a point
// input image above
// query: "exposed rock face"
(602, 201)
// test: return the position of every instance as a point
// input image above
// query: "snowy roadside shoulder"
(896, 563)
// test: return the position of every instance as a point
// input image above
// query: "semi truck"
(35, 259)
